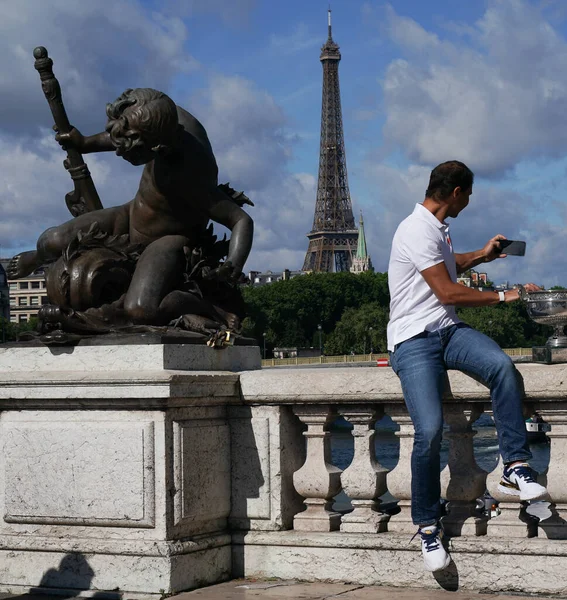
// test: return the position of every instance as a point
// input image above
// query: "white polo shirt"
(421, 241)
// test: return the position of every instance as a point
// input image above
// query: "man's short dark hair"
(446, 177)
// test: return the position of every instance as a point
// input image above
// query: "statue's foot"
(22, 264)
(231, 320)
(198, 324)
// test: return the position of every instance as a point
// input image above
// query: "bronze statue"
(153, 261)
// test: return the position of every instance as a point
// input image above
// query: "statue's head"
(141, 123)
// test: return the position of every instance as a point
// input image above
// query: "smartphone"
(512, 247)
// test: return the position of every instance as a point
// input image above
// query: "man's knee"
(429, 434)
(502, 366)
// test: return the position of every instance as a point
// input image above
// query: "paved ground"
(246, 590)
(274, 590)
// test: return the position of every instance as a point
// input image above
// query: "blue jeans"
(421, 364)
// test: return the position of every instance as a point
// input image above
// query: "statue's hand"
(226, 272)
(72, 140)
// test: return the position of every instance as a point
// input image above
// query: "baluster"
(555, 476)
(318, 481)
(399, 479)
(364, 480)
(462, 480)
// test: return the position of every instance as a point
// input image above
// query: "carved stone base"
(402, 522)
(471, 526)
(512, 522)
(364, 520)
(317, 518)
(463, 519)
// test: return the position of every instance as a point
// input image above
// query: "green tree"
(11, 331)
(509, 325)
(290, 311)
(359, 330)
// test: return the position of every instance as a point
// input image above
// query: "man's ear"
(456, 191)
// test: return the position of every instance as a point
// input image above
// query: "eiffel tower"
(334, 236)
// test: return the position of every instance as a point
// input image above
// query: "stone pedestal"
(115, 470)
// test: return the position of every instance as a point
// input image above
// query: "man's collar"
(424, 214)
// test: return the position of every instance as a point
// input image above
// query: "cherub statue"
(162, 231)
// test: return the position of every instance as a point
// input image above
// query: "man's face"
(459, 200)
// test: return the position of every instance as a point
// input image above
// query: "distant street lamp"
(320, 341)
(264, 336)
(370, 334)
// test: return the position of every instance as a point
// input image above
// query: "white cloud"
(492, 210)
(34, 184)
(99, 49)
(247, 131)
(246, 128)
(489, 102)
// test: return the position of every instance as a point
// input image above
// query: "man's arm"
(469, 260)
(450, 293)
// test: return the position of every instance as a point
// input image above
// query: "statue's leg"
(152, 298)
(54, 240)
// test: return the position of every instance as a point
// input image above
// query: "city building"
(472, 278)
(26, 295)
(263, 278)
(361, 261)
(4, 294)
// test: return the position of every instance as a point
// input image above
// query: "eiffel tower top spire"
(330, 50)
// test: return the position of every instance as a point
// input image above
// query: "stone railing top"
(380, 384)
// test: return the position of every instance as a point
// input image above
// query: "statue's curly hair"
(141, 116)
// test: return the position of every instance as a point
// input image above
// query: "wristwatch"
(502, 297)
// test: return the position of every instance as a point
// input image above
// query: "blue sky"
(483, 81)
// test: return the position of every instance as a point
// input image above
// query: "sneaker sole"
(514, 492)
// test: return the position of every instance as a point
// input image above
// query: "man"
(177, 196)
(425, 338)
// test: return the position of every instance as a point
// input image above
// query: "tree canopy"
(353, 313)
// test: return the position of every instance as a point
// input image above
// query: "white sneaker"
(435, 557)
(521, 480)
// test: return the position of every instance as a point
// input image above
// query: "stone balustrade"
(363, 396)
(156, 479)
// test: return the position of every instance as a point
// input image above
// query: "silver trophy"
(548, 307)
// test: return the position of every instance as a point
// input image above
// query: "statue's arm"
(225, 212)
(99, 142)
